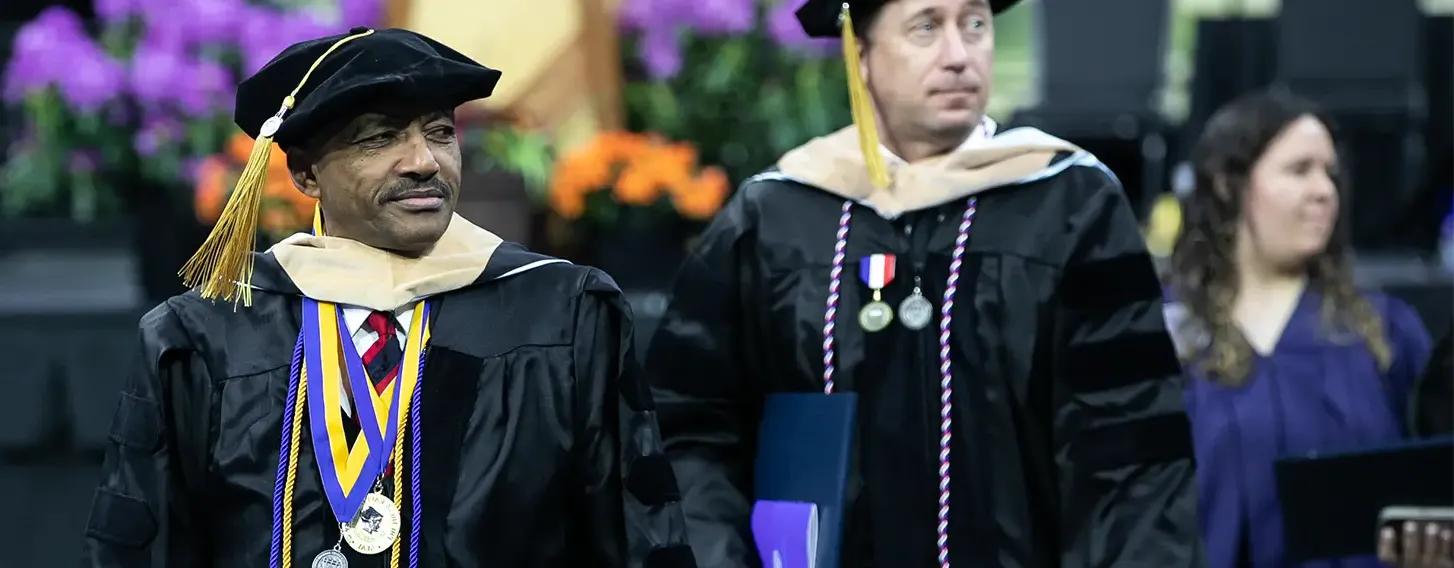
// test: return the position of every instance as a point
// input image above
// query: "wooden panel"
(560, 59)
(396, 13)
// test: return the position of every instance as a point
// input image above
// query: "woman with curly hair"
(1285, 356)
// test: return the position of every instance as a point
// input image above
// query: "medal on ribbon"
(349, 471)
(323, 357)
(876, 271)
(916, 311)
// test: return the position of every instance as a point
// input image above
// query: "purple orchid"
(706, 17)
(155, 133)
(84, 160)
(266, 32)
(637, 15)
(157, 68)
(208, 22)
(661, 52)
(658, 25)
(54, 50)
(360, 13)
(115, 11)
(721, 17)
(209, 91)
(783, 28)
(40, 51)
(92, 79)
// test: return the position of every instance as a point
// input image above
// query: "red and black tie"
(381, 359)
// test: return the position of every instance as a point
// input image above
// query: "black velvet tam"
(390, 64)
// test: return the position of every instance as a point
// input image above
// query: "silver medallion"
(270, 126)
(330, 558)
(376, 526)
(875, 316)
(916, 311)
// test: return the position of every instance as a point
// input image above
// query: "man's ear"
(300, 168)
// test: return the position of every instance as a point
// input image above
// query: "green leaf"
(725, 69)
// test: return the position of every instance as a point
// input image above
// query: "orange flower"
(638, 169)
(581, 173)
(638, 185)
(616, 146)
(284, 208)
(674, 162)
(239, 147)
(212, 189)
(703, 196)
(569, 204)
(587, 169)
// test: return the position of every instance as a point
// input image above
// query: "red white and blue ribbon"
(877, 270)
(878, 273)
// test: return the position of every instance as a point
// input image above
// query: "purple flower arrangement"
(662, 27)
(153, 90)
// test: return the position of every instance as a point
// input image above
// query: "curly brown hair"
(1204, 274)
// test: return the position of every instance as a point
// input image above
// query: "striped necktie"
(381, 359)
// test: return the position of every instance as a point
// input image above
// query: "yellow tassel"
(222, 267)
(224, 262)
(861, 105)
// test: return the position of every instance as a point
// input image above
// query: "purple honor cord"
(835, 285)
(284, 448)
(946, 383)
(275, 559)
(416, 500)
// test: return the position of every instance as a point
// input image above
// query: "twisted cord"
(281, 554)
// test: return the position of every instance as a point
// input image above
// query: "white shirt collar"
(355, 318)
(985, 131)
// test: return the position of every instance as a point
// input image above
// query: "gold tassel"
(861, 105)
(222, 267)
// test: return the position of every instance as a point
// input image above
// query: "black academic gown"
(539, 441)
(1433, 404)
(1071, 447)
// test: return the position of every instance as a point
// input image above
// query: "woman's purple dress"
(1318, 391)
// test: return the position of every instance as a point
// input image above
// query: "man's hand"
(1421, 545)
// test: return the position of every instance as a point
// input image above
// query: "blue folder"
(804, 448)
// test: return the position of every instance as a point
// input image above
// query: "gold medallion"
(875, 316)
(376, 526)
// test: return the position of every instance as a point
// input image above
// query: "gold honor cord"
(409, 377)
(222, 267)
(408, 381)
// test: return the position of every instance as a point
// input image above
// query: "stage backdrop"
(560, 59)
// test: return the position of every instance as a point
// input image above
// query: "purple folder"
(786, 534)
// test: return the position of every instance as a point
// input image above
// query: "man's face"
(928, 64)
(388, 178)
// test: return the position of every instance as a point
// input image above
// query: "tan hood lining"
(834, 163)
(343, 271)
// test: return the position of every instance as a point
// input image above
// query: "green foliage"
(526, 153)
(58, 167)
(743, 101)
